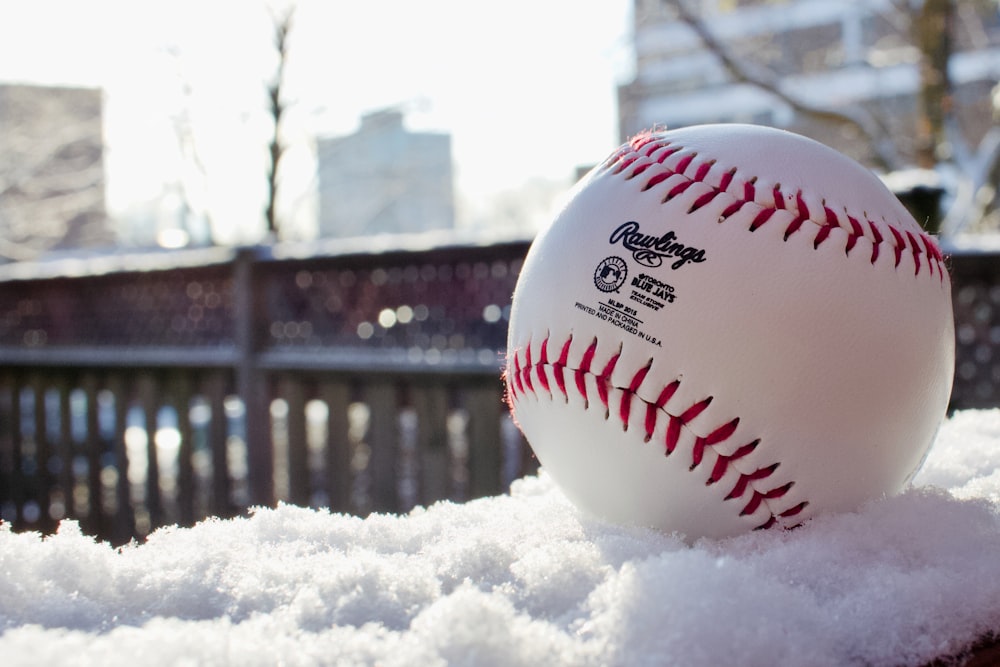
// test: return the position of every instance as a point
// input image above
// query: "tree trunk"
(932, 34)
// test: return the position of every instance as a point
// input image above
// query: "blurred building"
(385, 179)
(51, 171)
(839, 55)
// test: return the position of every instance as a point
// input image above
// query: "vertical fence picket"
(483, 403)
(7, 506)
(95, 519)
(13, 455)
(337, 396)
(124, 519)
(149, 402)
(43, 457)
(383, 435)
(182, 389)
(67, 480)
(430, 401)
(299, 483)
(215, 390)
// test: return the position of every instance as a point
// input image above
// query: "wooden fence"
(149, 390)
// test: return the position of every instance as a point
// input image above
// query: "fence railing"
(149, 390)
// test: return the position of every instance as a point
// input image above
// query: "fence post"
(251, 385)
(43, 452)
(339, 477)
(485, 406)
(383, 438)
(96, 519)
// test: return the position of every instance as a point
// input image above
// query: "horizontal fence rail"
(132, 398)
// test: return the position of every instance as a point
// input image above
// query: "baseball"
(730, 327)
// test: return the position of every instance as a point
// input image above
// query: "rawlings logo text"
(650, 250)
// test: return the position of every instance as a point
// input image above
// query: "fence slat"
(430, 401)
(10, 454)
(383, 437)
(293, 391)
(483, 403)
(95, 519)
(219, 503)
(149, 400)
(43, 454)
(67, 482)
(182, 390)
(338, 478)
(124, 520)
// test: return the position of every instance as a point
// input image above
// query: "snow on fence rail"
(139, 391)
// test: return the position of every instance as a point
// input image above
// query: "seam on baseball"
(675, 171)
(521, 379)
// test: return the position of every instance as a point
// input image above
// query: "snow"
(525, 579)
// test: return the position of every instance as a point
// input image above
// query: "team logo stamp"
(610, 274)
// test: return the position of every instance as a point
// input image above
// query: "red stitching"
(715, 437)
(527, 371)
(581, 384)
(604, 379)
(519, 384)
(625, 409)
(917, 244)
(878, 240)
(653, 409)
(915, 247)
(677, 189)
(543, 361)
(703, 170)
(683, 163)
(856, 233)
(745, 478)
(626, 163)
(703, 200)
(824, 232)
(732, 209)
(641, 140)
(517, 387)
(779, 199)
(641, 168)
(762, 217)
(723, 462)
(657, 179)
(674, 427)
(667, 153)
(802, 216)
(727, 178)
(653, 147)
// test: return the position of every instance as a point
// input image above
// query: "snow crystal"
(525, 579)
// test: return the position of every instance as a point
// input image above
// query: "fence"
(160, 389)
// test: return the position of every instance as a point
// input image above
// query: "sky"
(526, 88)
(526, 579)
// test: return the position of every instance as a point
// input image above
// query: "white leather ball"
(730, 327)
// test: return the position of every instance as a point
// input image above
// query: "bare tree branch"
(932, 33)
(276, 147)
(884, 153)
(188, 146)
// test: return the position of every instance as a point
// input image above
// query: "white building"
(385, 179)
(830, 54)
(52, 177)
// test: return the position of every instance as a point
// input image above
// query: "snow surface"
(524, 579)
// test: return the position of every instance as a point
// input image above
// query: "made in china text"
(650, 250)
(619, 315)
